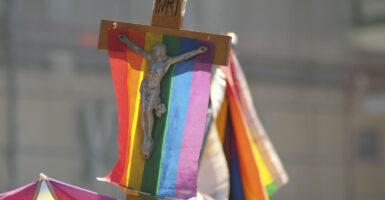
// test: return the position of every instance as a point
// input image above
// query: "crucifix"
(150, 86)
(167, 19)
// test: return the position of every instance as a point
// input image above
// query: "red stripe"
(118, 60)
(126, 69)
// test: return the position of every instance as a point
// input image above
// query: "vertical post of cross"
(169, 13)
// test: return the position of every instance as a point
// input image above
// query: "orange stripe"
(251, 178)
(134, 64)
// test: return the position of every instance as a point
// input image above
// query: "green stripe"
(271, 189)
(150, 179)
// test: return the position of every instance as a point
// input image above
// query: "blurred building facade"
(316, 69)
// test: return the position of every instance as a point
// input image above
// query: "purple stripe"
(186, 185)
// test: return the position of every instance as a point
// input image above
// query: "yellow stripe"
(221, 120)
(263, 170)
(135, 134)
(130, 192)
(129, 131)
(136, 166)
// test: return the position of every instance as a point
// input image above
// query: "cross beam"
(168, 19)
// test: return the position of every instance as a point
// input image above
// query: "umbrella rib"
(51, 190)
(37, 190)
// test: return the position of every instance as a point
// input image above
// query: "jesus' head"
(159, 50)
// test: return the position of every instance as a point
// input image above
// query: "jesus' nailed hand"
(150, 86)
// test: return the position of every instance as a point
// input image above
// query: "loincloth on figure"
(150, 98)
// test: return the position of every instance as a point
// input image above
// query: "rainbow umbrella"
(50, 189)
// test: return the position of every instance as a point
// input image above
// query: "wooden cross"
(167, 19)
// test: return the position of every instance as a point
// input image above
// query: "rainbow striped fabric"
(255, 168)
(47, 189)
(172, 169)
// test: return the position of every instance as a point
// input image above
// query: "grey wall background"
(316, 69)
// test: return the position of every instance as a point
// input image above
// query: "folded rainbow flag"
(255, 168)
(172, 168)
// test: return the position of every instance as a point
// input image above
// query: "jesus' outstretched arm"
(123, 38)
(188, 55)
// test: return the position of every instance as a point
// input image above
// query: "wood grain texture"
(168, 13)
(222, 43)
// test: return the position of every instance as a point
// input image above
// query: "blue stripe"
(236, 186)
(180, 95)
(235, 180)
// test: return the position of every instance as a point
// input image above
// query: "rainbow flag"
(172, 168)
(51, 189)
(255, 168)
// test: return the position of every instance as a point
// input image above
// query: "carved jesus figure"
(150, 86)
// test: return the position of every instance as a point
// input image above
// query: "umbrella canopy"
(25, 192)
(46, 189)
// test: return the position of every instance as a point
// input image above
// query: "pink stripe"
(186, 185)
